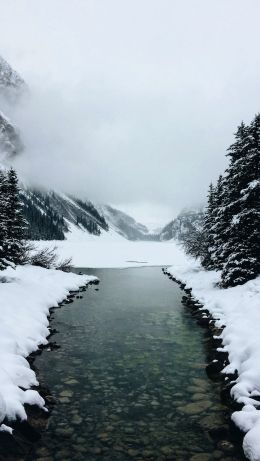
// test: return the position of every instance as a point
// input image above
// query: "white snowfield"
(110, 250)
(239, 310)
(26, 295)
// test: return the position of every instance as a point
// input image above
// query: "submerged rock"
(201, 457)
(195, 408)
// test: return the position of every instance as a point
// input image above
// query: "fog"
(132, 103)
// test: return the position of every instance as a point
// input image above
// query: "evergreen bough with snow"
(230, 238)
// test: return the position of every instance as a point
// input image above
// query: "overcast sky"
(134, 102)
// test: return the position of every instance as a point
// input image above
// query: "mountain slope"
(10, 141)
(125, 225)
(50, 215)
(180, 227)
(11, 87)
(11, 83)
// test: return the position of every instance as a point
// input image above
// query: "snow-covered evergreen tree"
(14, 247)
(3, 219)
(241, 207)
(208, 229)
(220, 224)
(230, 238)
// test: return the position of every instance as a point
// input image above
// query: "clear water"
(130, 377)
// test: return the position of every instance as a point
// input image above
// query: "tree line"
(229, 239)
(44, 222)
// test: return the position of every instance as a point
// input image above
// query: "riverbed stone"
(66, 393)
(212, 421)
(201, 457)
(45, 458)
(96, 450)
(64, 400)
(132, 452)
(64, 432)
(200, 383)
(76, 420)
(217, 454)
(71, 382)
(195, 407)
(226, 446)
(198, 396)
(167, 450)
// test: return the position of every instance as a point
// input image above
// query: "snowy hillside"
(180, 227)
(50, 215)
(11, 86)
(10, 142)
(56, 216)
(11, 83)
(125, 225)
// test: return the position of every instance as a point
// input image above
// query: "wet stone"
(201, 457)
(195, 408)
(66, 393)
(64, 432)
(226, 446)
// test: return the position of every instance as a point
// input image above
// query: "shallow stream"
(130, 377)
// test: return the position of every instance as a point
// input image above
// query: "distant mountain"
(11, 83)
(11, 87)
(10, 141)
(51, 215)
(125, 225)
(180, 227)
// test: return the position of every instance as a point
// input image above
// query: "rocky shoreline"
(217, 359)
(16, 446)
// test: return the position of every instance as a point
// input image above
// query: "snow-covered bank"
(239, 310)
(26, 296)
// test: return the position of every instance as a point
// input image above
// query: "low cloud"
(131, 102)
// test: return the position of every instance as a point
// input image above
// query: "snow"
(111, 250)
(238, 309)
(26, 295)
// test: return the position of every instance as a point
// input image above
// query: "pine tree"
(14, 245)
(220, 225)
(3, 219)
(207, 232)
(242, 208)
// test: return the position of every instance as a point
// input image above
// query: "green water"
(130, 377)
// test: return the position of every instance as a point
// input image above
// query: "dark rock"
(213, 369)
(225, 393)
(11, 446)
(203, 322)
(53, 345)
(27, 431)
(218, 433)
